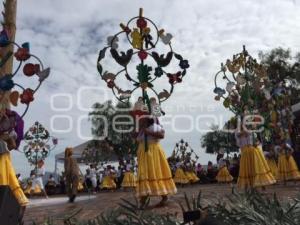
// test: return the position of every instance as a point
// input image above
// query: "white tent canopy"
(77, 154)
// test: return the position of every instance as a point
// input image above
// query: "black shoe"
(72, 199)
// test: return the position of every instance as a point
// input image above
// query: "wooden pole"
(9, 24)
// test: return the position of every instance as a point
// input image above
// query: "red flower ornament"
(27, 96)
(22, 54)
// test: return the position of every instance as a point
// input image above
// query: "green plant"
(249, 208)
(252, 208)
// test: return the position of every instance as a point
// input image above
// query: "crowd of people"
(282, 160)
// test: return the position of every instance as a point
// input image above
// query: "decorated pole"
(144, 38)
(183, 150)
(12, 93)
(251, 94)
(38, 145)
(9, 24)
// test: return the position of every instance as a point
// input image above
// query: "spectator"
(211, 172)
(51, 186)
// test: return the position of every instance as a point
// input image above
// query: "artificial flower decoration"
(165, 38)
(240, 79)
(256, 94)
(113, 41)
(4, 40)
(27, 96)
(184, 64)
(219, 91)
(141, 23)
(142, 55)
(38, 145)
(142, 35)
(158, 72)
(33, 67)
(43, 74)
(22, 54)
(230, 85)
(6, 82)
(111, 84)
(184, 151)
(30, 69)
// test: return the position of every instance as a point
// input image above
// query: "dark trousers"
(72, 185)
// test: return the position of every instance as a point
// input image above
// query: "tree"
(113, 124)
(218, 139)
(283, 67)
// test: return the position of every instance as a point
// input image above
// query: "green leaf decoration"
(177, 56)
(143, 73)
(99, 68)
(226, 103)
(101, 54)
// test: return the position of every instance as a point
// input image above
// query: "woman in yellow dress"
(254, 169)
(28, 190)
(7, 172)
(129, 180)
(180, 176)
(154, 174)
(287, 167)
(223, 175)
(271, 160)
(190, 174)
(108, 180)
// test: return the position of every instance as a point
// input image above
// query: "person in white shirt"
(93, 176)
(38, 178)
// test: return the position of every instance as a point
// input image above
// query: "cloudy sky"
(67, 35)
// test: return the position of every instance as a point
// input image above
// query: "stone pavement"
(94, 205)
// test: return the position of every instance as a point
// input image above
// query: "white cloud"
(67, 36)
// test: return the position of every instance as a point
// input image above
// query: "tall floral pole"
(14, 94)
(183, 150)
(143, 37)
(250, 92)
(39, 144)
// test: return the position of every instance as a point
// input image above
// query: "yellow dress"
(180, 177)
(37, 189)
(129, 180)
(223, 175)
(8, 177)
(273, 167)
(154, 174)
(108, 182)
(192, 177)
(287, 168)
(254, 169)
(80, 186)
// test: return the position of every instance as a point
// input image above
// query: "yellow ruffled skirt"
(180, 177)
(254, 169)
(154, 174)
(192, 177)
(224, 176)
(287, 168)
(37, 189)
(80, 186)
(108, 183)
(129, 180)
(273, 167)
(8, 177)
